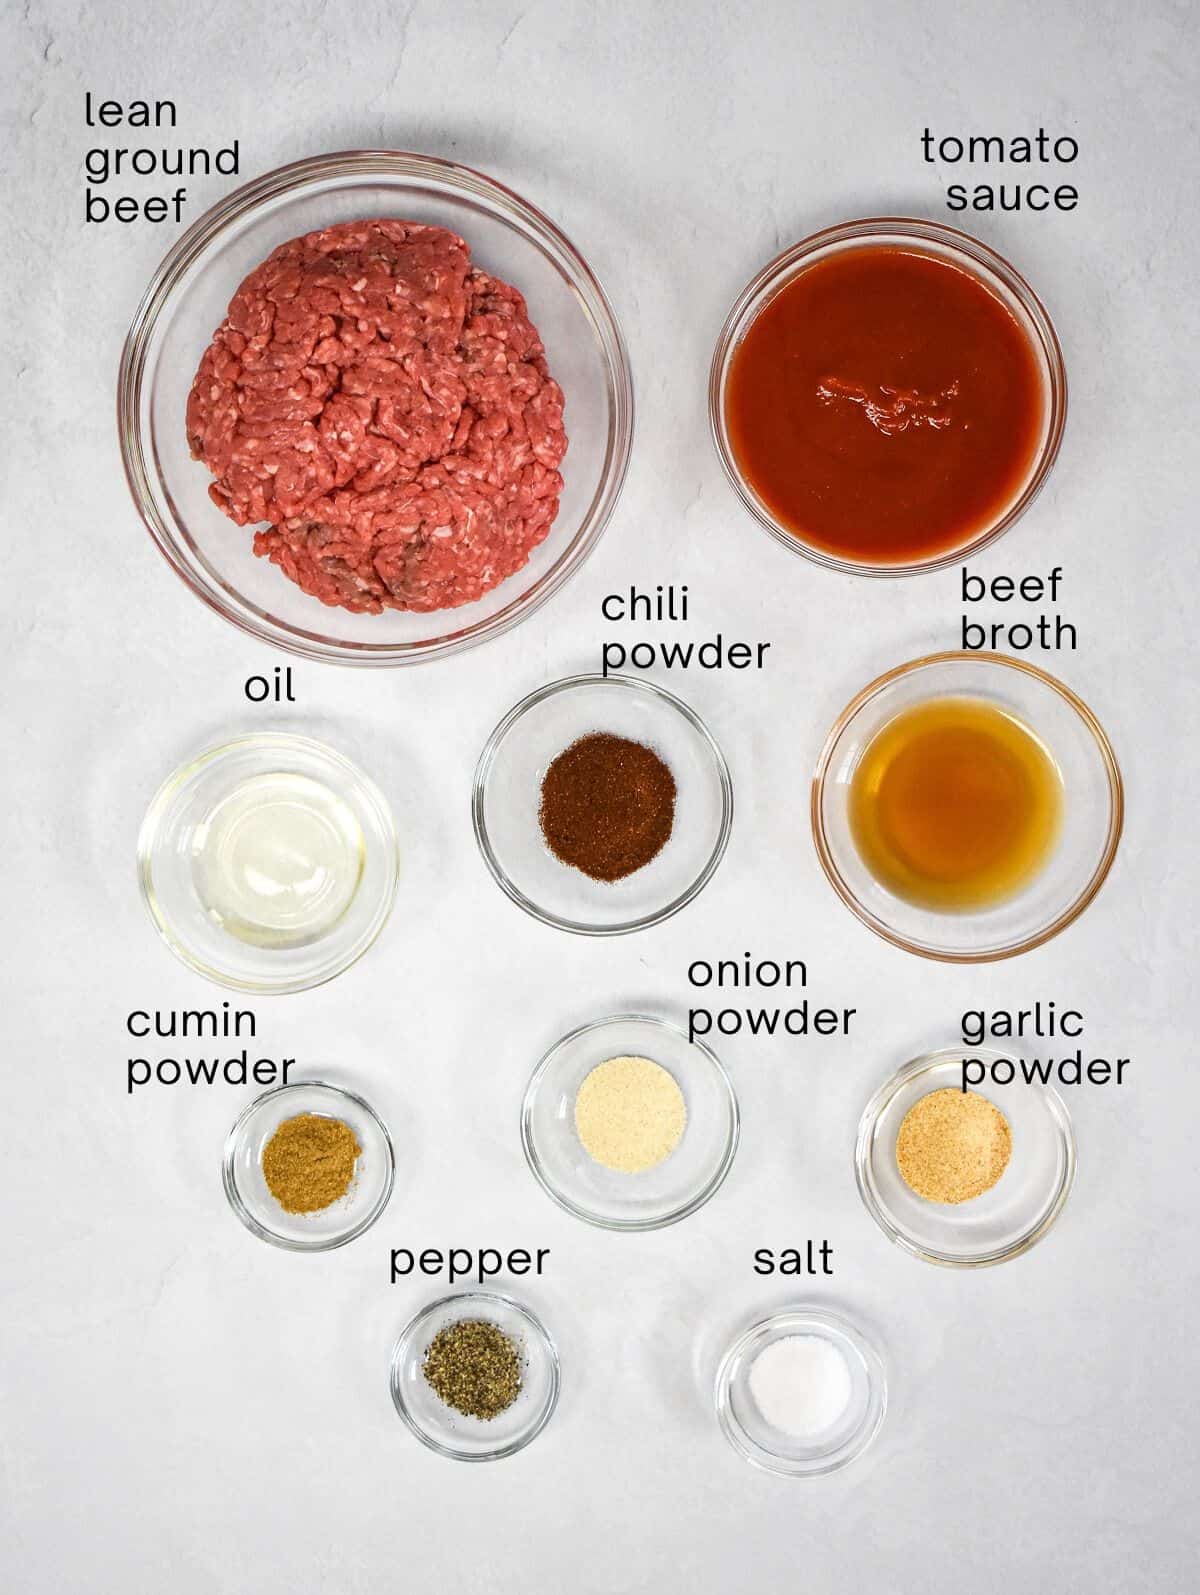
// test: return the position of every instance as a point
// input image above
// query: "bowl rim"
(796, 1317)
(485, 1298)
(880, 1099)
(139, 467)
(172, 784)
(255, 1225)
(1037, 938)
(974, 254)
(487, 758)
(577, 1210)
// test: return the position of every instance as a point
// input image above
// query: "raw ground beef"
(385, 408)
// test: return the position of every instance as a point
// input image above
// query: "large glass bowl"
(186, 302)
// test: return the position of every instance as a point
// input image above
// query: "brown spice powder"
(952, 1146)
(608, 805)
(309, 1162)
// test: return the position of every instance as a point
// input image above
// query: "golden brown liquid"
(955, 804)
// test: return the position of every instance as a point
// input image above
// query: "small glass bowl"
(507, 796)
(671, 1190)
(773, 1449)
(250, 1197)
(943, 243)
(453, 1434)
(1002, 1222)
(1092, 815)
(185, 303)
(167, 850)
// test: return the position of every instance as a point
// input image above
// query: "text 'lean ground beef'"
(386, 409)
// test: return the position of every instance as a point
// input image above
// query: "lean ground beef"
(386, 410)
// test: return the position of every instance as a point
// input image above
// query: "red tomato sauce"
(885, 406)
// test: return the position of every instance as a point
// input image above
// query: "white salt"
(801, 1384)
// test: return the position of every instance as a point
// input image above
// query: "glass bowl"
(1092, 811)
(170, 845)
(754, 1438)
(250, 1197)
(186, 302)
(1002, 1222)
(662, 1195)
(944, 243)
(507, 796)
(453, 1434)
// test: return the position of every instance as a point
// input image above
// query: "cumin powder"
(309, 1162)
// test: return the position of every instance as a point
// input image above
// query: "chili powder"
(608, 805)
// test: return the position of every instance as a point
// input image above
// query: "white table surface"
(188, 1409)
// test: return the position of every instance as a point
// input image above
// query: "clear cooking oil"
(278, 861)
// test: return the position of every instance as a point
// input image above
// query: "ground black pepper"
(474, 1367)
(608, 805)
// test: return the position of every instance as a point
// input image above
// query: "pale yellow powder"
(630, 1114)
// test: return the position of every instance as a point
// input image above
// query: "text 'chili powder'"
(608, 805)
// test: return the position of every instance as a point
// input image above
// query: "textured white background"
(188, 1409)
